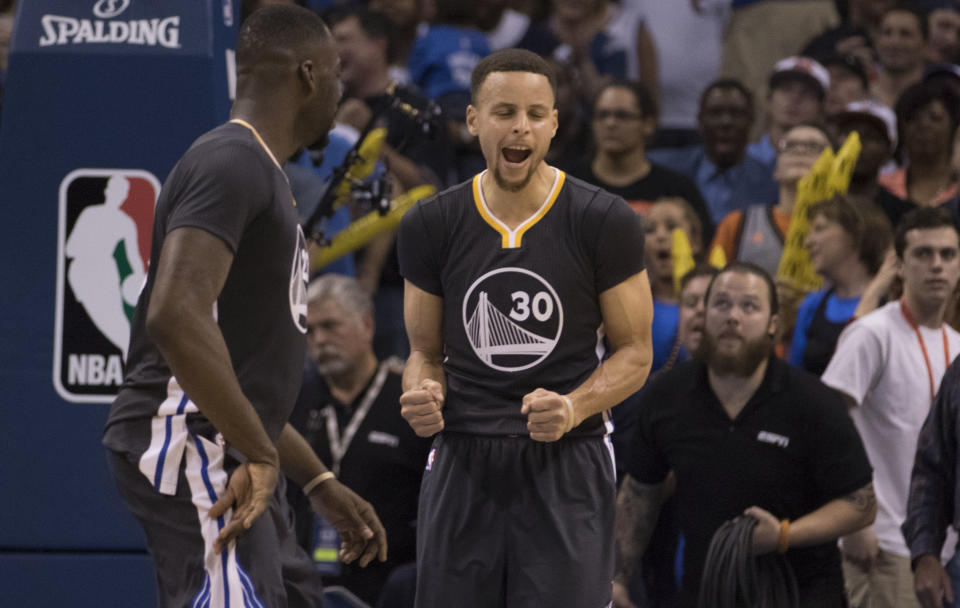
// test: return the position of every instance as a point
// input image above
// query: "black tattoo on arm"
(638, 506)
(864, 499)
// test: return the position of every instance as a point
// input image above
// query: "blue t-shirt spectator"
(442, 59)
(820, 319)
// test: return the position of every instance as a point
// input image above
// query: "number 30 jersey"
(521, 307)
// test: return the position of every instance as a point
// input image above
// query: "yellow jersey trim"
(513, 239)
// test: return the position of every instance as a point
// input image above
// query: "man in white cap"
(798, 86)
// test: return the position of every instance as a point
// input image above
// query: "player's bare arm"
(423, 381)
(837, 518)
(191, 272)
(627, 310)
(363, 536)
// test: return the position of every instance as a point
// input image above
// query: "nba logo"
(105, 230)
(430, 458)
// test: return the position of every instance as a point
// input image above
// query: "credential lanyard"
(340, 443)
(923, 347)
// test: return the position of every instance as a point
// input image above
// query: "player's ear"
(774, 326)
(473, 116)
(556, 121)
(307, 74)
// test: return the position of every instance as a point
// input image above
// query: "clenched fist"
(421, 406)
(550, 415)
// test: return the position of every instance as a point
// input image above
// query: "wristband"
(570, 414)
(784, 543)
(316, 481)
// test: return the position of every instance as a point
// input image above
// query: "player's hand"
(421, 408)
(249, 491)
(861, 548)
(931, 583)
(620, 597)
(548, 416)
(766, 536)
(361, 532)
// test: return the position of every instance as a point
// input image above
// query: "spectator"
(658, 576)
(848, 83)
(573, 132)
(363, 40)
(944, 26)
(757, 233)
(846, 244)
(888, 366)
(683, 68)
(441, 62)
(927, 117)
(347, 411)
(506, 27)
(727, 177)
(855, 35)
(407, 16)
(796, 91)
(624, 119)
(876, 126)
(444, 56)
(762, 32)
(417, 151)
(901, 50)
(932, 503)
(603, 40)
(664, 217)
(738, 427)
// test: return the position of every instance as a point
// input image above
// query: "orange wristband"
(784, 543)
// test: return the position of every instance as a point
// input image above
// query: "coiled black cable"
(733, 577)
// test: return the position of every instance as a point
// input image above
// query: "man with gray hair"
(347, 410)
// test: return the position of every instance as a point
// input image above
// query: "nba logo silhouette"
(105, 230)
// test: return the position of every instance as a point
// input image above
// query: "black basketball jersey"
(520, 307)
(228, 184)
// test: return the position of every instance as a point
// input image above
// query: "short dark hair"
(511, 60)
(917, 96)
(277, 26)
(749, 268)
(645, 100)
(374, 24)
(906, 6)
(700, 270)
(921, 218)
(868, 227)
(727, 84)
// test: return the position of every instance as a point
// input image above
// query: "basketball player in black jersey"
(513, 280)
(218, 341)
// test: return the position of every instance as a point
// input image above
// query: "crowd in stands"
(703, 115)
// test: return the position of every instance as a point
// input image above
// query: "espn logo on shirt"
(103, 248)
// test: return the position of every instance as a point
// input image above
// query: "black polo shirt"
(383, 464)
(792, 449)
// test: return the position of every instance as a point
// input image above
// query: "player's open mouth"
(516, 154)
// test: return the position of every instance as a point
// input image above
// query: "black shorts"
(264, 567)
(508, 521)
